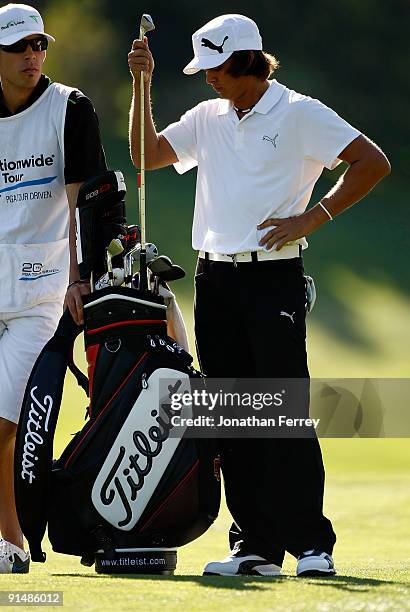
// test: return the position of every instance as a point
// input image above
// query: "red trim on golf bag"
(91, 354)
(95, 422)
(166, 502)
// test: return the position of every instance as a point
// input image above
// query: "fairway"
(265, 183)
(367, 498)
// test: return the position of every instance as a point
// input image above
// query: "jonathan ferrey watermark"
(275, 408)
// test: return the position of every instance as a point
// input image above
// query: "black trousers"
(274, 487)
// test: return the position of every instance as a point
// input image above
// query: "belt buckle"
(234, 259)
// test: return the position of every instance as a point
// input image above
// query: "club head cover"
(100, 217)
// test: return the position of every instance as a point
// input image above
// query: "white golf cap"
(215, 42)
(18, 21)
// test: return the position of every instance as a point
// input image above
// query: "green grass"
(367, 498)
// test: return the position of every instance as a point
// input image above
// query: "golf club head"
(150, 249)
(165, 270)
(134, 255)
(173, 273)
(104, 281)
(146, 25)
(160, 264)
(115, 247)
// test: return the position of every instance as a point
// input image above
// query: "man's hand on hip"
(291, 228)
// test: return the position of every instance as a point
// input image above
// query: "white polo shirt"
(264, 165)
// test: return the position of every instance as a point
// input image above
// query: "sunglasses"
(37, 44)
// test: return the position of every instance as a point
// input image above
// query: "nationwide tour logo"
(13, 177)
(11, 24)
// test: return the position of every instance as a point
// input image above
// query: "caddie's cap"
(215, 42)
(18, 21)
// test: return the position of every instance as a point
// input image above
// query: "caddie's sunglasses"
(40, 43)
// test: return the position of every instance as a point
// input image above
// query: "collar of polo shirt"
(271, 97)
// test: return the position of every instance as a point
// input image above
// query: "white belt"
(286, 252)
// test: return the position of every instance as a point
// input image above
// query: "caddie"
(259, 147)
(49, 144)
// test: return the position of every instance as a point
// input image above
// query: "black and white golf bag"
(124, 493)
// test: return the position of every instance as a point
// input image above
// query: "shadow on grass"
(257, 583)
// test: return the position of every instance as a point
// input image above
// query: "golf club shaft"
(141, 182)
(127, 270)
(146, 25)
(141, 185)
(109, 270)
(142, 153)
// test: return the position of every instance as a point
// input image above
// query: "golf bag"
(125, 493)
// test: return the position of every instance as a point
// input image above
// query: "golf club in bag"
(125, 492)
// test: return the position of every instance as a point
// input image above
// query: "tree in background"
(86, 54)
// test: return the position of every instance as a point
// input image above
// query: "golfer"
(259, 148)
(50, 144)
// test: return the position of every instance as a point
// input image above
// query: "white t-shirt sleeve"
(323, 132)
(182, 136)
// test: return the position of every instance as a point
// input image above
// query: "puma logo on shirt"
(286, 314)
(271, 140)
(208, 43)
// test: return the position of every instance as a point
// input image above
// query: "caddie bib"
(34, 211)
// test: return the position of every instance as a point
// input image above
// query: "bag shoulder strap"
(35, 433)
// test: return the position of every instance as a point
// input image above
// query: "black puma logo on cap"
(207, 43)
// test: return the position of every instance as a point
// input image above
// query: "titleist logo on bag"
(37, 425)
(140, 453)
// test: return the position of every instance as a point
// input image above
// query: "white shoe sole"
(266, 574)
(247, 569)
(313, 572)
(314, 567)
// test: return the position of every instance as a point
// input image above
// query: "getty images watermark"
(278, 408)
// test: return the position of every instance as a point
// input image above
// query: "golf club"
(146, 25)
(104, 281)
(151, 252)
(114, 248)
(165, 270)
(128, 258)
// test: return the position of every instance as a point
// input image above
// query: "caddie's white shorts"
(22, 336)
